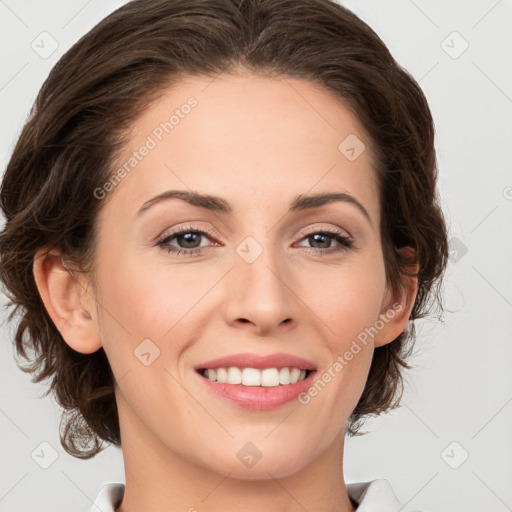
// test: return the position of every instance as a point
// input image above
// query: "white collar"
(374, 496)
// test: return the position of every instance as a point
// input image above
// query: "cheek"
(142, 309)
(344, 298)
(137, 309)
(148, 300)
(346, 303)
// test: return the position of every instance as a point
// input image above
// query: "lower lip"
(259, 397)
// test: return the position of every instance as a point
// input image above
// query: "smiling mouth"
(255, 377)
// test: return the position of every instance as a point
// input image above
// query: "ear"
(397, 306)
(68, 302)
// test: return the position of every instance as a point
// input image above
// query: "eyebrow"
(218, 204)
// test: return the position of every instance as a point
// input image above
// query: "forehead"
(256, 140)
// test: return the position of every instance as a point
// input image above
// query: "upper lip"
(247, 360)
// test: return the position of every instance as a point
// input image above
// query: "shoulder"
(376, 496)
(108, 497)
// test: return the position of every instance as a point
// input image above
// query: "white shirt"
(374, 496)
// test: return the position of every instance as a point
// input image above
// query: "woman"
(220, 219)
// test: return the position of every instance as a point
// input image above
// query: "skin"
(257, 142)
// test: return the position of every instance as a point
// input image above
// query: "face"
(183, 284)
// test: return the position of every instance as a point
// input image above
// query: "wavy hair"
(101, 85)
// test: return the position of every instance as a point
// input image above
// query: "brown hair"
(103, 83)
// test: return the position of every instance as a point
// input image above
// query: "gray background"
(458, 398)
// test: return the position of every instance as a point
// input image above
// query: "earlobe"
(67, 302)
(398, 306)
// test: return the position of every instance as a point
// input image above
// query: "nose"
(259, 294)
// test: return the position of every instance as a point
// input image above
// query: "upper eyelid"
(330, 230)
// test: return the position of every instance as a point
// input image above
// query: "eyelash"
(345, 242)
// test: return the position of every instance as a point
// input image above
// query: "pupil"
(189, 239)
(325, 237)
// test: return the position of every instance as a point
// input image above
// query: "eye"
(188, 239)
(324, 239)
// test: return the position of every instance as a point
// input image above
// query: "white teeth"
(222, 375)
(250, 377)
(284, 376)
(268, 377)
(294, 375)
(234, 375)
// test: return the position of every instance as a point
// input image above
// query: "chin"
(248, 462)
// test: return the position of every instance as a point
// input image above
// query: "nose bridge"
(261, 293)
